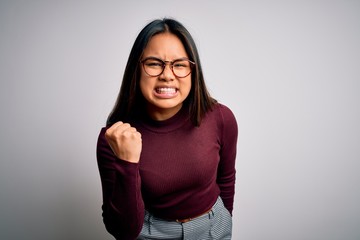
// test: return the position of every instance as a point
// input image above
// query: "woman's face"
(165, 93)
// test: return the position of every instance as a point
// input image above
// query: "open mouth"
(166, 92)
(163, 90)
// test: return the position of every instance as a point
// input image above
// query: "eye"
(181, 64)
(153, 63)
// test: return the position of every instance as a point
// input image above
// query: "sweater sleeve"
(226, 168)
(123, 207)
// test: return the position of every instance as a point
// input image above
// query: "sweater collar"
(168, 125)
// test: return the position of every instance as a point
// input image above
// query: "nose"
(167, 74)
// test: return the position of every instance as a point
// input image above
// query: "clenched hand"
(125, 141)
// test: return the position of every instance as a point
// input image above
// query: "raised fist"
(125, 141)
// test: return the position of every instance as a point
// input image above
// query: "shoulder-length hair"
(131, 103)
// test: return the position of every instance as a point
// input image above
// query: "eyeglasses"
(155, 67)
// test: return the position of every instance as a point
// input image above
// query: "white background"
(289, 70)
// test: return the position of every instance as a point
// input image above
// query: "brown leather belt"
(189, 219)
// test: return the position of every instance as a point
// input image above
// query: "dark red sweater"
(182, 171)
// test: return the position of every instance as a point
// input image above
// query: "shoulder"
(225, 121)
(224, 114)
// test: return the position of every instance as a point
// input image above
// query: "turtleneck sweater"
(182, 171)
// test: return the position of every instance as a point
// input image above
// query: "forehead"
(166, 46)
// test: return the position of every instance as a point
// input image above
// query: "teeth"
(166, 90)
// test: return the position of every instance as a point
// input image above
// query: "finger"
(137, 134)
(116, 129)
(117, 124)
(131, 129)
(113, 127)
(120, 127)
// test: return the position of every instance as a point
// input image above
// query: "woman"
(167, 155)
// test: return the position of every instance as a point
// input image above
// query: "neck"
(161, 114)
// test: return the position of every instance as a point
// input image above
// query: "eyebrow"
(156, 58)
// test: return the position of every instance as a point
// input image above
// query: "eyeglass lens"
(155, 67)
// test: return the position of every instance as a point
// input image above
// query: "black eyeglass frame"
(171, 63)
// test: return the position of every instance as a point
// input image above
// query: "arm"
(123, 207)
(226, 169)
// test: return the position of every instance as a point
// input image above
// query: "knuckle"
(108, 133)
(126, 133)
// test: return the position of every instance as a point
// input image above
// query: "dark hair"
(130, 102)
